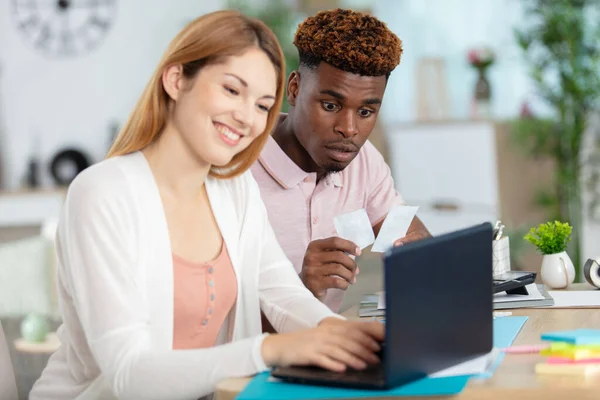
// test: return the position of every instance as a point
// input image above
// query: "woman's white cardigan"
(115, 279)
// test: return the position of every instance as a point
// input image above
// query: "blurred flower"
(526, 110)
(481, 57)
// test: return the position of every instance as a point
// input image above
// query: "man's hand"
(327, 264)
(412, 237)
(416, 231)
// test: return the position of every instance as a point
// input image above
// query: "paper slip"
(355, 227)
(394, 227)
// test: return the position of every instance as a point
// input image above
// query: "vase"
(482, 95)
(34, 328)
(557, 270)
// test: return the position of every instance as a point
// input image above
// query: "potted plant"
(560, 41)
(551, 239)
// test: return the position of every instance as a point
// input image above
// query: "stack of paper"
(369, 306)
(576, 298)
(537, 297)
(572, 353)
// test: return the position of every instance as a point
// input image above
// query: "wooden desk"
(515, 378)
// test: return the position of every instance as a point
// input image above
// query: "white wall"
(48, 104)
(448, 29)
(73, 101)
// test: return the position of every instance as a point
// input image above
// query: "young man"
(318, 163)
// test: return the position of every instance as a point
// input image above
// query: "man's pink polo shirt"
(302, 210)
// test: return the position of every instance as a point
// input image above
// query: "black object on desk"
(513, 282)
(431, 324)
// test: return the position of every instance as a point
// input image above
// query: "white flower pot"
(557, 270)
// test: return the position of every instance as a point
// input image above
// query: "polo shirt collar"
(336, 179)
(285, 171)
(280, 166)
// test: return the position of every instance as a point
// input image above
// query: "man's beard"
(334, 168)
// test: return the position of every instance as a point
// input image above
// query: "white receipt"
(355, 227)
(394, 227)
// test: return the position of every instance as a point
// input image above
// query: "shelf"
(50, 345)
(30, 207)
(33, 192)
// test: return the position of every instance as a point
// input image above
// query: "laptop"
(439, 312)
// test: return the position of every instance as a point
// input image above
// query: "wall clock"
(64, 28)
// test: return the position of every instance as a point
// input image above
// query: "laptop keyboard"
(371, 374)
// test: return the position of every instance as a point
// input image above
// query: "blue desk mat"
(261, 388)
(506, 330)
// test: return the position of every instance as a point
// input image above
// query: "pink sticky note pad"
(526, 349)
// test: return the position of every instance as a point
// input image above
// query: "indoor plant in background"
(561, 44)
(551, 239)
(283, 21)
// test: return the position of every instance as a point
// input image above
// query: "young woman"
(166, 255)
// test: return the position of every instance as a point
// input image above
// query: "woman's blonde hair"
(206, 40)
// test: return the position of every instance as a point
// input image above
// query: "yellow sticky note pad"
(574, 352)
(567, 369)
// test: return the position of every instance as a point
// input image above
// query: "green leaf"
(550, 237)
(282, 19)
(523, 39)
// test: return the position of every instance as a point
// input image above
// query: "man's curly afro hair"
(348, 40)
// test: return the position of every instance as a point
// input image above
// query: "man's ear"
(293, 85)
(172, 80)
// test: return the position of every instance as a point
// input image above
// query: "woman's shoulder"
(241, 187)
(111, 177)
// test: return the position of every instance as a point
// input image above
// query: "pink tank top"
(204, 295)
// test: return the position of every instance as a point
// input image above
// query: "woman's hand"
(335, 344)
